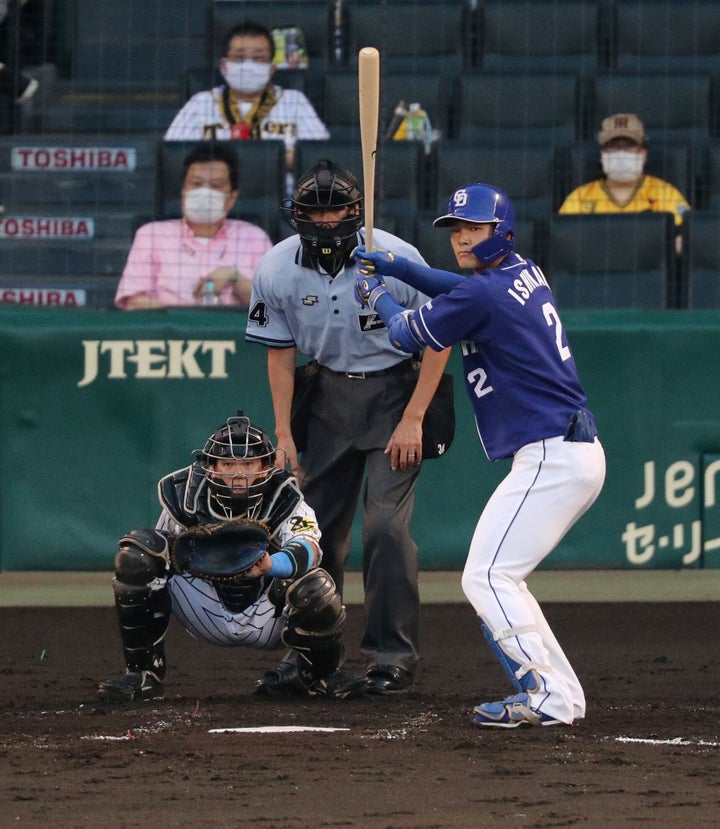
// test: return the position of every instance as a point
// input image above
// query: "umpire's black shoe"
(388, 679)
(133, 685)
(288, 679)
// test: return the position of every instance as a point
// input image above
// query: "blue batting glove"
(374, 261)
(368, 289)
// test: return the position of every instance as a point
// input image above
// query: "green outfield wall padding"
(96, 405)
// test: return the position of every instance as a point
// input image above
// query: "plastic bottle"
(415, 123)
(209, 297)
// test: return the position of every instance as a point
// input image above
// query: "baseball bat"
(369, 101)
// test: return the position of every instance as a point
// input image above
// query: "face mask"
(204, 206)
(246, 76)
(622, 166)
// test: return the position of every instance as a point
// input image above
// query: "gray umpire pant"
(350, 423)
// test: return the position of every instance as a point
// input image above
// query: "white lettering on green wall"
(676, 487)
(155, 359)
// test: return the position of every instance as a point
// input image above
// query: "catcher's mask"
(239, 461)
(326, 186)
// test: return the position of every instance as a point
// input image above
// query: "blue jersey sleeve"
(429, 281)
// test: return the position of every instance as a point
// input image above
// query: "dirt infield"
(647, 754)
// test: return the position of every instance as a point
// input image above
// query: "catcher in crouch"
(234, 557)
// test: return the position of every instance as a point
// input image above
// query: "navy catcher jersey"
(519, 372)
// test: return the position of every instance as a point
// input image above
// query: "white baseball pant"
(550, 485)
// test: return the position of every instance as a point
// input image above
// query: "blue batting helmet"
(481, 203)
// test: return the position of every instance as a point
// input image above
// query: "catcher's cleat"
(133, 685)
(285, 679)
(512, 712)
(339, 685)
(388, 679)
(288, 679)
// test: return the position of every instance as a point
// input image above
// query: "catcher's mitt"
(222, 551)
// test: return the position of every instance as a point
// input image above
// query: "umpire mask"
(326, 187)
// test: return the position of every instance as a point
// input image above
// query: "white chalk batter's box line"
(290, 729)
(134, 733)
(675, 741)
(273, 729)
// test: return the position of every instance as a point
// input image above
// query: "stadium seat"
(399, 176)
(703, 259)
(99, 290)
(524, 173)
(432, 90)
(519, 108)
(9, 117)
(339, 108)
(552, 36)
(673, 107)
(262, 181)
(112, 43)
(314, 17)
(708, 176)
(611, 261)
(42, 198)
(340, 111)
(666, 36)
(56, 257)
(411, 36)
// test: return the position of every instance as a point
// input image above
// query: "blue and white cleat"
(511, 713)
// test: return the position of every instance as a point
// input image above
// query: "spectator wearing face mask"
(625, 187)
(248, 105)
(203, 258)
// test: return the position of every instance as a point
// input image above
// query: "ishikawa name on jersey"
(519, 372)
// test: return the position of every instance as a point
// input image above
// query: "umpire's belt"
(398, 368)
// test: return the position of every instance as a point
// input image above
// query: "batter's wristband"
(375, 295)
(396, 267)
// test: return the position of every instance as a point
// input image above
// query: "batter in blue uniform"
(529, 405)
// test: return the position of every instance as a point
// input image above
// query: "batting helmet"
(238, 439)
(481, 203)
(326, 186)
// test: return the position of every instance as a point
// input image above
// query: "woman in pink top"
(181, 261)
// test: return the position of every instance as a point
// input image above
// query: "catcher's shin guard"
(143, 614)
(316, 622)
(524, 678)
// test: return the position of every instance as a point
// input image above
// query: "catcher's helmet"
(330, 186)
(481, 203)
(239, 439)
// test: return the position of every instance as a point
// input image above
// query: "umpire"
(366, 410)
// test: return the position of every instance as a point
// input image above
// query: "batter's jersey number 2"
(552, 319)
(478, 378)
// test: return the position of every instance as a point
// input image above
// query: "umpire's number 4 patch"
(258, 314)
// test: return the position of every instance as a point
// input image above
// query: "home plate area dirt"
(213, 754)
